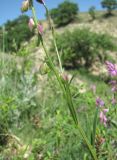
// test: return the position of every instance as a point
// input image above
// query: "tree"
(92, 12)
(64, 14)
(110, 5)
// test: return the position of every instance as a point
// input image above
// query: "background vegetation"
(35, 123)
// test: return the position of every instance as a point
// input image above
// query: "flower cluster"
(25, 6)
(31, 25)
(113, 84)
(100, 103)
(103, 118)
(111, 68)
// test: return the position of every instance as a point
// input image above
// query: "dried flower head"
(25, 6)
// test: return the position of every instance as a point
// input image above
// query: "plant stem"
(94, 127)
(67, 94)
(66, 90)
(54, 39)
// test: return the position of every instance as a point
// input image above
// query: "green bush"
(16, 32)
(82, 47)
(92, 12)
(64, 14)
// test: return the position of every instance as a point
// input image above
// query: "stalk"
(65, 88)
(94, 127)
(54, 39)
(3, 30)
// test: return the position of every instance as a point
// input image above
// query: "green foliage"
(110, 5)
(92, 12)
(16, 32)
(41, 119)
(82, 47)
(14, 104)
(65, 13)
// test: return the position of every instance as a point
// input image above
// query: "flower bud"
(31, 23)
(40, 29)
(44, 69)
(65, 77)
(41, 1)
(25, 6)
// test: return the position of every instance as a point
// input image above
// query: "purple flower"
(114, 85)
(99, 102)
(105, 110)
(111, 68)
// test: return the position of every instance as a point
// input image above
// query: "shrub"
(92, 12)
(110, 5)
(82, 46)
(16, 32)
(64, 14)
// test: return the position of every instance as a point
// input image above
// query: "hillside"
(99, 25)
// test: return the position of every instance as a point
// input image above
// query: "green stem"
(54, 39)
(74, 115)
(91, 149)
(94, 127)
(67, 93)
(34, 15)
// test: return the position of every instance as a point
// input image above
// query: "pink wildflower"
(105, 110)
(103, 118)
